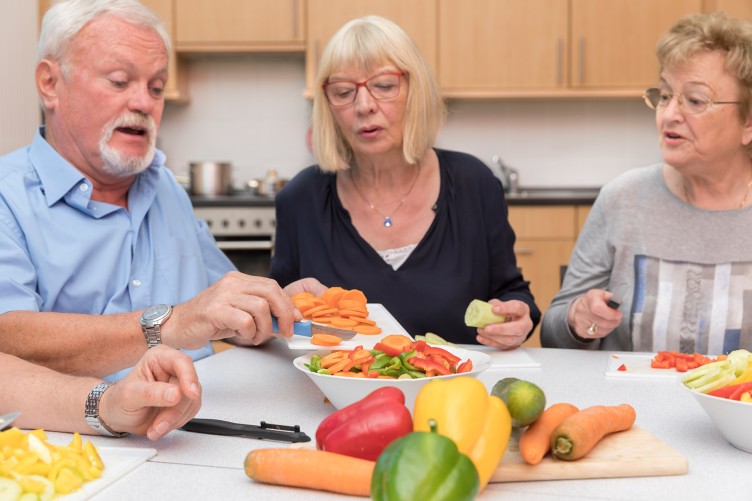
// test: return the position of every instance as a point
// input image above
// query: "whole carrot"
(536, 440)
(312, 469)
(580, 432)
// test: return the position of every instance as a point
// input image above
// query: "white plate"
(377, 313)
(118, 462)
(638, 366)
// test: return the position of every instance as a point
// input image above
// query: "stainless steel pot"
(211, 179)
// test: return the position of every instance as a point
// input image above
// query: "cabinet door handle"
(294, 6)
(559, 61)
(523, 251)
(581, 51)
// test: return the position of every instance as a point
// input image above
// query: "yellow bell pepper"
(744, 377)
(478, 423)
(746, 397)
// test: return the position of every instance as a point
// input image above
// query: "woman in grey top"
(673, 242)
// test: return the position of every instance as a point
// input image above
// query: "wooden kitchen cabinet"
(552, 48)
(486, 46)
(736, 8)
(545, 239)
(240, 25)
(177, 84)
(613, 42)
(417, 17)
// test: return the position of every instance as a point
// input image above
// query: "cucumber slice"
(479, 314)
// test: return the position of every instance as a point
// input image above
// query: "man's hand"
(237, 306)
(161, 393)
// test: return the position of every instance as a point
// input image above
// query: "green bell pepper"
(424, 465)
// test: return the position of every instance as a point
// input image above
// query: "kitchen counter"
(552, 196)
(251, 385)
(524, 196)
(239, 199)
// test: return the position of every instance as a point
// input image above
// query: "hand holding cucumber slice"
(479, 314)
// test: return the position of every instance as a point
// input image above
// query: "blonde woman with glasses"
(419, 229)
(664, 261)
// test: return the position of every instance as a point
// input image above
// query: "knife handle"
(302, 328)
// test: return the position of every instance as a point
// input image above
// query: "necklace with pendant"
(387, 217)
(741, 204)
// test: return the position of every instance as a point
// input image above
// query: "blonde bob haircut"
(364, 44)
(714, 32)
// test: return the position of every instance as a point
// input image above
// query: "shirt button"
(84, 187)
(136, 282)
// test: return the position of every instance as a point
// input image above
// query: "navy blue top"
(467, 252)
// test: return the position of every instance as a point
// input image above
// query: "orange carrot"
(325, 340)
(367, 329)
(399, 341)
(311, 469)
(580, 432)
(354, 295)
(536, 440)
(344, 323)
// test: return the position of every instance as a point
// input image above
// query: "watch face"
(156, 312)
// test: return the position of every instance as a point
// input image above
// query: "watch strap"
(91, 415)
(153, 335)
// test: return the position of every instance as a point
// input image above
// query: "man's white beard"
(122, 165)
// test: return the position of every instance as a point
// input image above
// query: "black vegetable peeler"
(266, 431)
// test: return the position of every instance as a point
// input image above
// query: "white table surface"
(251, 385)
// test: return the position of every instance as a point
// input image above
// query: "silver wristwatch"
(92, 412)
(151, 323)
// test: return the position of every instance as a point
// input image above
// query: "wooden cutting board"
(631, 453)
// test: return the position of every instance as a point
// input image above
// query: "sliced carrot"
(343, 365)
(325, 340)
(352, 313)
(318, 309)
(332, 358)
(332, 295)
(325, 319)
(535, 442)
(352, 304)
(343, 322)
(356, 295)
(365, 321)
(399, 341)
(367, 329)
(302, 295)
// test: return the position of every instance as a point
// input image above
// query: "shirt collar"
(59, 177)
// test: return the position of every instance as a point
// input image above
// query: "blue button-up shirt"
(62, 251)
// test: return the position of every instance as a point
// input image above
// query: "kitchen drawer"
(543, 222)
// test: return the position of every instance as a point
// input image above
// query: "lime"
(525, 400)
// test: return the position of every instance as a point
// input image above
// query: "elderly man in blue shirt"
(100, 254)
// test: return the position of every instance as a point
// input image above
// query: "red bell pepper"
(733, 392)
(365, 428)
(465, 366)
(389, 350)
(440, 352)
(429, 366)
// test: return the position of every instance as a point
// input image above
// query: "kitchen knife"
(308, 328)
(266, 431)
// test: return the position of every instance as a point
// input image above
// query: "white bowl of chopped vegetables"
(720, 390)
(342, 390)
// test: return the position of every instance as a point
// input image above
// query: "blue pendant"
(388, 222)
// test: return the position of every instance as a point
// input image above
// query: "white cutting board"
(376, 312)
(637, 366)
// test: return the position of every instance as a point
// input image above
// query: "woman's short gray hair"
(363, 44)
(714, 32)
(66, 18)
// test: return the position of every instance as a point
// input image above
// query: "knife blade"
(308, 328)
(266, 431)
